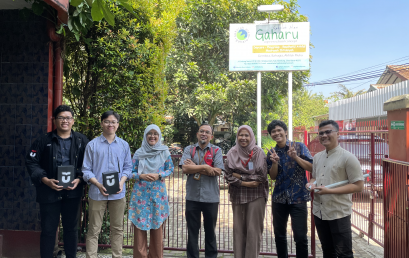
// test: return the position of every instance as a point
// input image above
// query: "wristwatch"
(160, 177)
(241, 177)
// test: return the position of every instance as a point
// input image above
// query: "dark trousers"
(335, 236)
(299, 214)
(50, 217)
(193, 219)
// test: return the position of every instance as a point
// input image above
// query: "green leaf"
(89, 2)
(83, 18)
(61, 30)
(70, 24)
(37, 8)
(96, 11)
(107, 13)
(127, 7)
(75, 2)
(76, 12)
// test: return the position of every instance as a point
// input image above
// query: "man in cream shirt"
(332, 208)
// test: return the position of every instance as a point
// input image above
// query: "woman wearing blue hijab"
(149, 206)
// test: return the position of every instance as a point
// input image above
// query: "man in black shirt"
(61, 147)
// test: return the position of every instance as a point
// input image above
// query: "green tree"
(306, 105)
(121, 68)
(344, 93)
(197, 71)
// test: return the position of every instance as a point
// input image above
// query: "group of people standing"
(245, 169)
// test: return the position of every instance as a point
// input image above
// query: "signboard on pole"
(269, 47)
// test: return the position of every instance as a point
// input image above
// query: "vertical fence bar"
(372, 203)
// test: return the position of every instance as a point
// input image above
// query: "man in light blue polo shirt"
(104, 154)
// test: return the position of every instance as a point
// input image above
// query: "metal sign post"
(290, 106)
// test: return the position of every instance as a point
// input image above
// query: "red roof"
(401, 71)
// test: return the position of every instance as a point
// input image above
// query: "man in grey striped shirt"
(106, 153)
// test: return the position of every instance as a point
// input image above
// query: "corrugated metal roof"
(366, 105)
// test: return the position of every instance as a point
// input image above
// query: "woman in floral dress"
(149, 207)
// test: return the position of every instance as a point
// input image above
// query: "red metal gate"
(175, 233)
(396, 192)
(369, 147)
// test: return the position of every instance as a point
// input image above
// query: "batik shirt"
(149, 205)
(291, 178)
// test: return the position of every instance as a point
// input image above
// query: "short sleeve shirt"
(332, 167)
(206, 189)
(291, 177)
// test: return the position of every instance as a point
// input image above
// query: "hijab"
(151, 158)
(237, 154)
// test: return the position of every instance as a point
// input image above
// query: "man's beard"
(202, 141)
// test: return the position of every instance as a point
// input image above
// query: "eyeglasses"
(205, 132)
(106, 122)
(61, 118)
(327, 132)
(152, 134)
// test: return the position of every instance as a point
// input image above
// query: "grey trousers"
(248, 224)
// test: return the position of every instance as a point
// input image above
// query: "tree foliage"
(81, 13)
(197, 71)
(344, 93)
(121, 68)
(306, 105)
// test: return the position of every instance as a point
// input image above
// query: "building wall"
(368, 105)
(23, 112)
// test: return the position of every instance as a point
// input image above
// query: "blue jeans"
(50, 218)
(299, 214)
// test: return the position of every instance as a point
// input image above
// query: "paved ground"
(362, 249)
(175, 235)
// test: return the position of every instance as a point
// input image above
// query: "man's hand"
(52, 183)
(121, 184)
(308, 185)
(273, 156)
(209, 171)
(74, 183)
(251, 184)
(322, 190)
(188, 162)
(102, 189)
(291, 151)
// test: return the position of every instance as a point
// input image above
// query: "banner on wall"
(269, 47)
(350, 125)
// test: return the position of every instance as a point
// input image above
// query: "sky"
(352, 35)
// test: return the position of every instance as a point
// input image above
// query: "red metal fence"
(369, 147)
(175, 233)
(396, 192)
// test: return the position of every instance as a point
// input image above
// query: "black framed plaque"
(110, 181)
(66, 175)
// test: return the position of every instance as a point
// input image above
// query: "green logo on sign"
(398, 125)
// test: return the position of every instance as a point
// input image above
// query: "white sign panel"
(269, 47)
